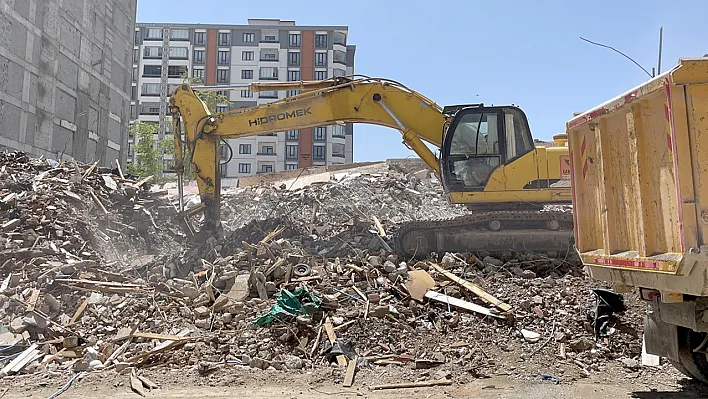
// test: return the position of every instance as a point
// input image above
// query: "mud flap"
(661, 338)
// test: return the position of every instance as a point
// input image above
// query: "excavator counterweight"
(488, 159)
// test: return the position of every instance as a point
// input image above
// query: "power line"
(623, 54)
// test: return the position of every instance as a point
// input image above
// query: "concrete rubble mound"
(96, 275)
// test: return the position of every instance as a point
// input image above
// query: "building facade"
(65, 77)
(263, 50)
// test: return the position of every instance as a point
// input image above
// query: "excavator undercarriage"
(547, 231)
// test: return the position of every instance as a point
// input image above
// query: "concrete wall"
(65, 76)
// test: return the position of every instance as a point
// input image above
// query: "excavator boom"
(488, 159)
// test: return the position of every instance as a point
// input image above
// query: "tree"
(148, 152)
(211, 99)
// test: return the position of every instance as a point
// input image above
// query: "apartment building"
(262, 50)
(65, 78)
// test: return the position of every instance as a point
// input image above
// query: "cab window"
(518, 136)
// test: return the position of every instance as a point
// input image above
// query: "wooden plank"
(379, 227)
(162, 337)
(32, 301)
(459, 303)
(341, 359)
(79, 311)
(475, 289)
(351, 370)
(20, 361)
(418, 384)
(120, 170)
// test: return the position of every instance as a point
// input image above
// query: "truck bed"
(639, 172)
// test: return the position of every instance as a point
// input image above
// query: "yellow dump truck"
(639, 174)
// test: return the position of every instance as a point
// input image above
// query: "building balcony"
(338, 136)
(267, 153)
(269, 59)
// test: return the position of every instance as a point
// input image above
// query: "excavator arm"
(337, 100)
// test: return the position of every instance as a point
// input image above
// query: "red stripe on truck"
(643, 264)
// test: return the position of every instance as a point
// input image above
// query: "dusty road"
(239, 384)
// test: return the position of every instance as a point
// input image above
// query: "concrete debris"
(99, 273)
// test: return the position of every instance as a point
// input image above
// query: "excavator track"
(493, 232)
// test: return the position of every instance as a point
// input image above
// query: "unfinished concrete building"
(65, 70)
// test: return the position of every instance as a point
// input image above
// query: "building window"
(269, 36)
(291, 93)
(339, 57)
(338, 150)
(266, 150)
(290, 166)
(291, 152)
(199, 56)
(266, 168)
(293, 76)
(269, 73)
(338, 72)
(338, 131)
(224, 57)
(136, 38)
(244, 148)
(198, 73)
(320, 59)
(268, 94)
(179, 34)
(152, 52)
(294, 39)
(154, 34)
(179, 52)
(133, 93)
(150, 89)
(223, 169)
(136, 55)
(249, 37)
(339, 38)
(200, 38)
(176, 71)
(292, 135)
(247, 55)
(152, 71)
(221, 109)
(246, 94)
(244, 168)
(224, 39)
(247, 74)
(318, 152)
(150, 109)
(222, 76)
(135, 74)
(321, 41)
(320, 75)
(294, 58)
(269, 57)
(320, 133)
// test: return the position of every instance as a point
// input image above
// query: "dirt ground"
(234, 381)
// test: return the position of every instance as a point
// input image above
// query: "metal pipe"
(395, 118)
(180, 192)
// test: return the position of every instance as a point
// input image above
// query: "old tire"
(696, 363)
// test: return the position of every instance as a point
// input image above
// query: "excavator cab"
(480, 140)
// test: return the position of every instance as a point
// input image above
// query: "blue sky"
(525, 52)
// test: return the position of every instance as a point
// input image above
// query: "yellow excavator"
(488, 159)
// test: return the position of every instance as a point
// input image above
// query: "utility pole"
(661, 42)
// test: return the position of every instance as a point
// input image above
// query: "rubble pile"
(304, 277)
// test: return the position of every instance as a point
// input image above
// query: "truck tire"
(696, 363)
